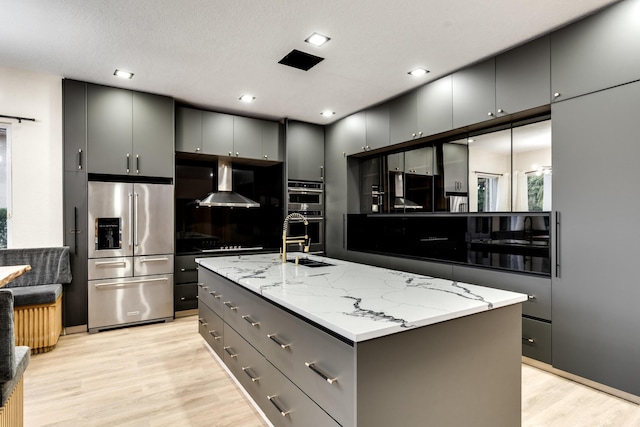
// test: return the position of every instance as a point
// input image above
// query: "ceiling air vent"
(301, 60)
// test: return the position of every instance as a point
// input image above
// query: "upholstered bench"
(38, 295)
(13, 363)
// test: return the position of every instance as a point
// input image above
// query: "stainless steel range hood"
(400, 202)
(225, 196)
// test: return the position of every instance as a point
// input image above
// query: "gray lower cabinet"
(598, 52)
(474, 94)
(305, 151)
(129, 133)
(595, 291)
(536, 311)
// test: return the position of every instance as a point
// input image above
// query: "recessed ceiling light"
(123, 74)
(328, 113)
(247, 98)
(418, 72)
(317, 39)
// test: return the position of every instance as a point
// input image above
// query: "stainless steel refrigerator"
(131, 250)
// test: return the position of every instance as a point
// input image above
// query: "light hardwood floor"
(163, 375)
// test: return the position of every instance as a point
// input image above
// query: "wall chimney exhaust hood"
(225, 196)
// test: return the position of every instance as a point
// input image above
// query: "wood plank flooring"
(163, 375)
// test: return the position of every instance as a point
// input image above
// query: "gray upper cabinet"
(188, 130)
(377, 127)
(247, 137)
(419, 161)
(474, 94)
(598, 52)
(217, 133)
(455, 164)
(305, 151)
(354, 133)
(153, 134)
(75, 126)
(435, 109)
(129, 133)
(109, 130)
(403, 118)
(271, 141)
(523, 77)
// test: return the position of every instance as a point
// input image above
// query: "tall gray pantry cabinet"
(101, 125)
(595, 194)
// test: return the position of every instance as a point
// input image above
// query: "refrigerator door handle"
(135, 221)
(130, 218)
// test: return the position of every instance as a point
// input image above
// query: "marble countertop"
(357, 301)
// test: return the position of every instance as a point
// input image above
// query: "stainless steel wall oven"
(307, 198)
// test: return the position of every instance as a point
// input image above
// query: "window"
(487, 193)
(5, 183)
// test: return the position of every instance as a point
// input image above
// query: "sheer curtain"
(520, 192)
(502, 199)
(546, 195)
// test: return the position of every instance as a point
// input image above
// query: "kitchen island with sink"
(325, 342)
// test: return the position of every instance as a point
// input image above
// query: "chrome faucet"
(300, 240)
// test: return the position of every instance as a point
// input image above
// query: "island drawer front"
(301, 410)
(186, 269)
(537, 288)
(211, 328)
(330, 380)
(212, 290)
(536, 340)
(185, 296)
(245, 312)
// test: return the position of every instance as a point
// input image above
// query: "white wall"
(36, 157)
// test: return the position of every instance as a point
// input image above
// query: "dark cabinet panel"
(474, 94)
(595, 292)
(435, 106)
(75, 125)
(153, 134)
(109, 130)
(305, 151)
(271, 141)
(188, 130)
(598, 52)
(247, 137)
(523, 77)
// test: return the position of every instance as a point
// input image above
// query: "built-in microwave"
(305, 196)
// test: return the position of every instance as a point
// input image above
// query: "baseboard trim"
(79, 329)
(584, 381)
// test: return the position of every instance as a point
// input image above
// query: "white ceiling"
(209, 52)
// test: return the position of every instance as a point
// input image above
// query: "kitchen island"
(327, 342)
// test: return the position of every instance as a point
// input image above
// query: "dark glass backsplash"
(515, 242)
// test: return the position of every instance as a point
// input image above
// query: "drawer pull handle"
(203, 286)
(215, 294)
(231, 307)
(183, 270)
(213, 334)
(230, 353)
(312, 366)
(247, 371)
(530, 340)
(275, 339)
(251, 321)
(272, 399)
(532, 297)
(154, 260)
(202, 322)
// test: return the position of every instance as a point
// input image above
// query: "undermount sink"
(310, 262)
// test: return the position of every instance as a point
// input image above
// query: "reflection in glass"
(489, 172)
(532, 167)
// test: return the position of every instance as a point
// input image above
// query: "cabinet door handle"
(276, 340)
(251, 321)
(500, 110)
(80, 159)
(137, 164)
(247, 371)
(203, 286)
(314, 368)
(213, 334)
(321, 173)
(237, 153)
(215, 294)
(231, 306)
(128, 162)
(202, 322)
(529, 340)
(490, 114)
(272, 399)
(230, 352)
(532, 297)
(557, 244)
